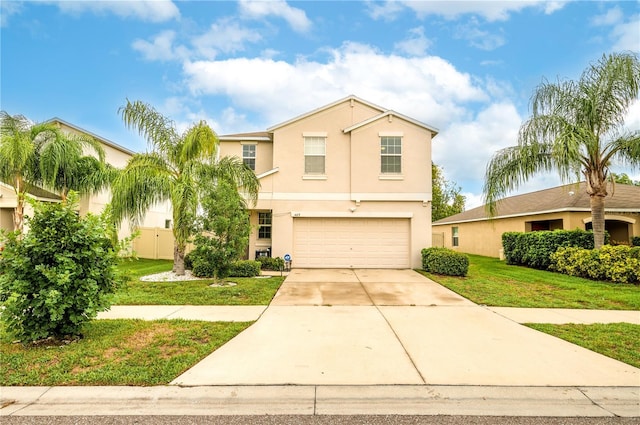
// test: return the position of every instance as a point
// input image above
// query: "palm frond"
(158, 130)
(145, 181)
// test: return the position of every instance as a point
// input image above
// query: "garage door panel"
(351, 242)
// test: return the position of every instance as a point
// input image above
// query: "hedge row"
(445, 261)
(618, 264)
(534, 249)
(271, 263)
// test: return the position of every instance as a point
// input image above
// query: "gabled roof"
(571, 197)
(258, 136)
(322, 108)
(388, 113)
(95, 136)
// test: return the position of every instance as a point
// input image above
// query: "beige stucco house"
(564, 207)
(116, 155)
(347, 185)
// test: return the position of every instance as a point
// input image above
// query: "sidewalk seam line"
(413, 363)
(596, 404)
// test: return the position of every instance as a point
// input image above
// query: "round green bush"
(58, 275)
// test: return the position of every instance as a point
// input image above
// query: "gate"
(155, 243)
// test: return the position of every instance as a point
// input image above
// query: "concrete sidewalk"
(251, 313)
(321, 400)
(207, 313)
(369, 342)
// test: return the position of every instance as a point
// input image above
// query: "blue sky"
(465, 67)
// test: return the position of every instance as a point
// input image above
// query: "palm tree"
(175, 170)
(40, 155)
(18, 165)
(576, 127)
(63, 165)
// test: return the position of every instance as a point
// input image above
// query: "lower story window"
(264, 225)
(454, 236)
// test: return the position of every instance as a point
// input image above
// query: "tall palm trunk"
(597, 219)
(178, 259)
(18, 213)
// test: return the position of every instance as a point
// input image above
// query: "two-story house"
(158, 216)
(346, 185)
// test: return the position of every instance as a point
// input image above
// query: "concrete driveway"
(384, 327)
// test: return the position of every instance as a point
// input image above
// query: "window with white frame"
(249, 156)
(314, 155)
(454, 236)
(264, 225)
(390, 154)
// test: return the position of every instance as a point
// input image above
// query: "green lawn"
(494, 283)
(248, 291)
(116, 352)
(620, 341)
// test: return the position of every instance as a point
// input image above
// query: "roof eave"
(95, 136)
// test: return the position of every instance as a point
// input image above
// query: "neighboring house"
(117, 156)
(9, 201)
(564, 207)
(347, 185)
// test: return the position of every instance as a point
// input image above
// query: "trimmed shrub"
(635, 241)
(533, 249)
(271, 263)
(618, 264)
(445, 261)
(245, 268)
(59, 275)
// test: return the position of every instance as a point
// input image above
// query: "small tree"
(226, 216)
(446, 199)
(59, 275)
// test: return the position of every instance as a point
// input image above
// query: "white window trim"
(318, 135)
(392, 175)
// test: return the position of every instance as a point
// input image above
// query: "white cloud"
(624, 33)
(224, 36)
(632, 119)
(627, 35)
(296, 18)
(429, 88)
(479, 38)
(161, 47)
(8, 8)
(387, 11)
(146, 10)
(611, 17)
(489, 10)
(416, 44)
(465, 147)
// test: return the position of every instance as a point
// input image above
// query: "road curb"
(322, 400)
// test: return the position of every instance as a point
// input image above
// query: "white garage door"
(351, 242)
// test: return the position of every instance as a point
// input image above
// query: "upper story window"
(249, 156)
(314, 155)
(390, 154)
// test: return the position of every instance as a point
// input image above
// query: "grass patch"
(620, 341)
(248, 291)
(142, 267)
(116, 352)
(494, 283)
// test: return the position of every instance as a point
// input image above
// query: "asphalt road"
(311, 420)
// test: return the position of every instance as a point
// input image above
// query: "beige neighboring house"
(564, 207)
(347, 185)
(116, 155)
